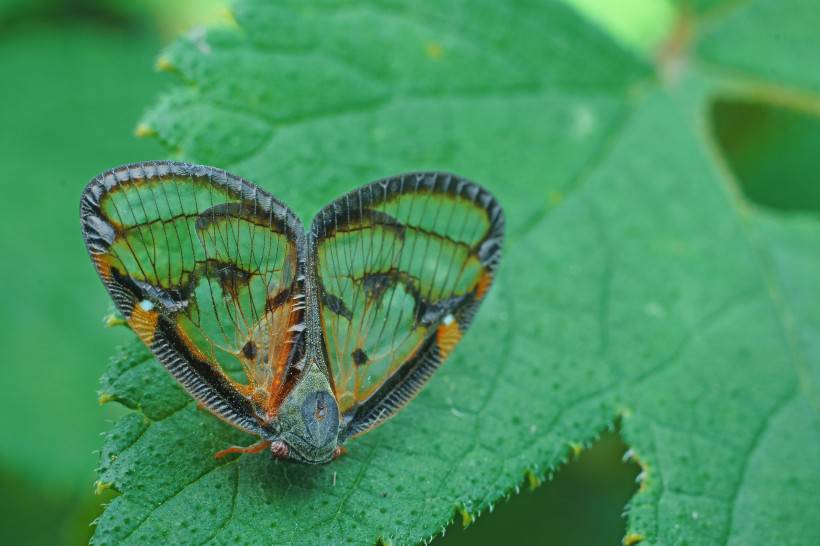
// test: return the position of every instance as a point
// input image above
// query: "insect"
(302, 339)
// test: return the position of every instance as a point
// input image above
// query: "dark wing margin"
(401, 266)
(208, 270)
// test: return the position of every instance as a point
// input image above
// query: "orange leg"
(253, 448)
(339, 451)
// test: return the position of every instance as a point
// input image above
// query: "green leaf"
(67, 102)
(739, 43)
(638, 285)
(765, 142)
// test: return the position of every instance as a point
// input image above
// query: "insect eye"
(321, 409)
(321, 416)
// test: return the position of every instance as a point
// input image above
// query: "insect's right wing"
(401, 266)
(207, 269)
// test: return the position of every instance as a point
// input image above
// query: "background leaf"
(637, 284)
(64, 110)
(53, 302)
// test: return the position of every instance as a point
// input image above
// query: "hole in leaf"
(583, 504)
(772, 152)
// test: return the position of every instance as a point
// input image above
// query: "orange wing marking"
(143, 321)
(103, 266)
(279, 356)
(483, 284)
(448, 334)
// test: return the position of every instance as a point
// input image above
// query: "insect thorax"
(308, 420)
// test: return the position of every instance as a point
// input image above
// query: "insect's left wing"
(208, 270)
(401, 267)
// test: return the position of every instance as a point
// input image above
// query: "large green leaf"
(637, 283)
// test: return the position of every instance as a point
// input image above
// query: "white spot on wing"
(448, 320)
(146, 305)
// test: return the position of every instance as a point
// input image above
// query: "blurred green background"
(76, 77)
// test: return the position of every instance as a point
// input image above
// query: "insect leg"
(253, 448)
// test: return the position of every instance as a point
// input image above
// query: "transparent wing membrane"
(205, 267)
(402, 264)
